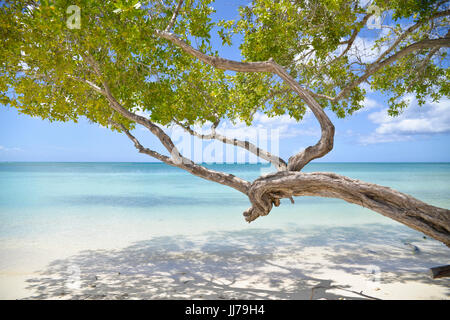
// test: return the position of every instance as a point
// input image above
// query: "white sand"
(324, 263)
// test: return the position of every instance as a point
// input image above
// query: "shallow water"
(39, 198)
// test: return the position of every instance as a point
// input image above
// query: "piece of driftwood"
(440, 272)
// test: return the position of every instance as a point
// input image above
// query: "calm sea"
(69, 198)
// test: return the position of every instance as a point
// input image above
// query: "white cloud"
(378, 138)
(13, 149)
(23, 66)
(284, 126)
(365, 49)
(264, 119)
(432, 118)
(368, 104)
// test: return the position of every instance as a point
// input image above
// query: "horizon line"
(209, 163)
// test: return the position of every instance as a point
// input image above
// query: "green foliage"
(44, 64)
(303, 36)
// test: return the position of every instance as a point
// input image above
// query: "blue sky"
(421, 134)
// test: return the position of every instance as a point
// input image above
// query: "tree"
(127, 57)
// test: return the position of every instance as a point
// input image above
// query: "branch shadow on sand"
(247, 264)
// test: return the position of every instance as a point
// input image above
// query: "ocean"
(54, 210)
(38, 198)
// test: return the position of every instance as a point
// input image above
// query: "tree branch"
(139, 146)
(374, 67)
(379, 63)
(325, 144)
(114, 104)
(176, 159)
(350, 41)
(422, 66)
(174, 16)
(431, 220)
(89, 83)
(409, 31)
(217, 62)
(298, 161)
(195, 169)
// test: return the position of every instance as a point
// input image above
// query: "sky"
(420, 134)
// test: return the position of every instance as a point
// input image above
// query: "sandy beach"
(295, 263)
(120, 231)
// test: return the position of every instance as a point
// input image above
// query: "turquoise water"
(66, 198)
(150, 219)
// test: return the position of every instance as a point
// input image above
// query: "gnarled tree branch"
(298, 161)
(176, 159)
(197, 170)
(217, 62)
(188, 165)
(325, 144)
(266, 190)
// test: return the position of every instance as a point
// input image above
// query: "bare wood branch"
(325, 144)
(176, 159)
(139, 146)
(195, 169)
(296, 162)
(432, 221)
(174, 16)
(217, 62)
(440, 272)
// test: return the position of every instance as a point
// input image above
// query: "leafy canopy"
(44, 64)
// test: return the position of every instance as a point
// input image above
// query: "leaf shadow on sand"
(246, 264)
